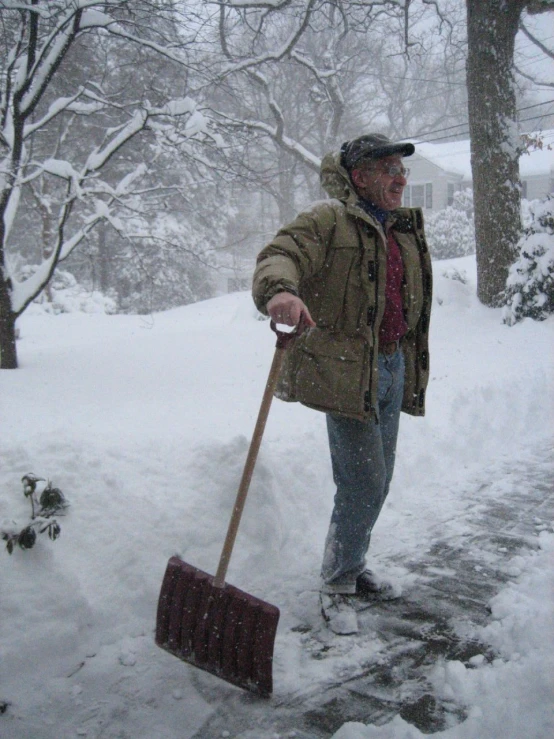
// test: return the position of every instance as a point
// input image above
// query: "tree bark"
(8, 348)
(491, 28)
(104, 260)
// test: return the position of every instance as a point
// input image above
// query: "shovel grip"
(283, 340)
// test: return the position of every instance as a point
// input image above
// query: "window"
(429, 195)
(418, 196)
(450, 193)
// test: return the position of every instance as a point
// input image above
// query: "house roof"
(455, 157)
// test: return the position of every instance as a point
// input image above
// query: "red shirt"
(393, 326)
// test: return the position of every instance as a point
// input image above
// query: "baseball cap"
(372, 146)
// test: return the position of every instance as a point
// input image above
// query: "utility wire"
(466, 123)
(466, 132)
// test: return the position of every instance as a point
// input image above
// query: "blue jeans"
(362, 457)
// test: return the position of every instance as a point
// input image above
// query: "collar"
(378, 213)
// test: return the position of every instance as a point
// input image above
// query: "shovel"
(205, 621)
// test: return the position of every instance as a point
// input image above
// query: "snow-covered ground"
(144, 422)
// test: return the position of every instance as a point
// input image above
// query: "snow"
(61, 168)
(455, 156)
(180, 107)
(144, 423)
(510, 697)
(124, 185)
(93, 18)
(100, 156)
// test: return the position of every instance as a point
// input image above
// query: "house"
(438, 170)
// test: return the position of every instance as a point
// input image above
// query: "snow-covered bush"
(450, 232)
(164, 262)
(530, 283)
(65, 295)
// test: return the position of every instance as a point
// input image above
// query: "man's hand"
(290, 310)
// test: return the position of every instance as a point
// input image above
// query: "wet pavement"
(453, 582)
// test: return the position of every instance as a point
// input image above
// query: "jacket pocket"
(330, 372)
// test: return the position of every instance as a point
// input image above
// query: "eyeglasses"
(393, 170)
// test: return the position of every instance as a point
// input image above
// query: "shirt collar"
(378, 213)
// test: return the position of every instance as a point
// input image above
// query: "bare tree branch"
(535, 40)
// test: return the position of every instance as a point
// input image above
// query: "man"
(354, 274)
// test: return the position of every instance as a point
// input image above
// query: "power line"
(466, 132)
(466, 141)
(528, 107)
(466, 123)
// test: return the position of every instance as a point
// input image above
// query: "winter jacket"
(333, 255)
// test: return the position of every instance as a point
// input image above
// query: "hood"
(334, 178)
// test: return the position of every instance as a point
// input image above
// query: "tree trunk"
(491, 28)
(8, 349)
(104, 260)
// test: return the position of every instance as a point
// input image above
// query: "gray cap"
(372, 146)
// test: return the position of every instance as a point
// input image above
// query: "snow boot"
(339, 613)
(370, 586)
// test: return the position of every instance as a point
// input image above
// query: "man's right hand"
(289, 309)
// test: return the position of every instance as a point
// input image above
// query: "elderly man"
(354, 274)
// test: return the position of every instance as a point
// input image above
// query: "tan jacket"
(333, 255)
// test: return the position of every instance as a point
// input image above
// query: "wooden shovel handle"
(283, 340)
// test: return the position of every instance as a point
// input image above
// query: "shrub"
(65, 295)
(450, 232)
(530, 283)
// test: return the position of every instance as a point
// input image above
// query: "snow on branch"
(59, 106)
(195, 124)
(320, 74)
(290, 145)
(261, 4)
(272, 56)
(93, 18)
(64, 170)
(13, 5)
(31, 83)
(124, 185)
(83, 184)
(98, 158)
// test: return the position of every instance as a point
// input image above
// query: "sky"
(531, 59)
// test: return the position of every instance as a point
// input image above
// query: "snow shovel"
(205, 621)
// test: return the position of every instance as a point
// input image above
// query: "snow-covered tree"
(492, 26)
(78, 186)
(301, 77)
(530, 284)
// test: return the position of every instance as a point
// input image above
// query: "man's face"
(373, 182)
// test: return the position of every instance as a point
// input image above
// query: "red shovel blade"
(222, 630)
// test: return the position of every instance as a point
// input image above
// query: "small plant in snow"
(44, 506)
(530, 284)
